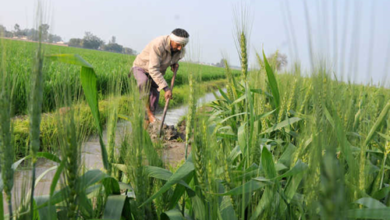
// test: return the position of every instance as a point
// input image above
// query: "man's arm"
(168, 91)
(154, 67)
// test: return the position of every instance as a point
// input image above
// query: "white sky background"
(211, 26)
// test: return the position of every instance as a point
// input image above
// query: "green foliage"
(88, 82)
(91, 41)
(113, 47)
(20, 57)
(271, 146)
(114, 207)
(49, 131)
(272, 82)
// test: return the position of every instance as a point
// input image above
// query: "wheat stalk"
(6, 147)
(36, 99)
(244, 56)
(291, 98)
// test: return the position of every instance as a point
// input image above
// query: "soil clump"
(173, 139)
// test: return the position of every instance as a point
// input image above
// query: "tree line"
(89, 41)
(278, 60)
(31, 34)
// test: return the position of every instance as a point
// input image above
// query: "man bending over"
(150, 65)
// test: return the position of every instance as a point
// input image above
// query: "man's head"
(179, 38)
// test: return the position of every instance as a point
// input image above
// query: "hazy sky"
(211, 26)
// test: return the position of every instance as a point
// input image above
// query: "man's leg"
(144, 87)
(153, 99)
(150, 113)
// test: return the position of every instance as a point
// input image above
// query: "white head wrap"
(180, 40)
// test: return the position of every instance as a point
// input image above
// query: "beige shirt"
(156, 58)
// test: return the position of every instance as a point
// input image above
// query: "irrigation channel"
(91, 156)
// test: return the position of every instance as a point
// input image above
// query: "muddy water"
(91, 155)
(173, 116)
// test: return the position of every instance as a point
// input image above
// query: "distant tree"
(54, 38)
(8, 34)
(221, 63)
(91, 41)
(75, 42)
(113, 47)
(44, 28)
(4, 32)
(113, 40)
(16, 29)
(32, 34)
(277, 59)
(129, 51)
(23, 33)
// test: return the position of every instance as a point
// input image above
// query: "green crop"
(19, 64)
(273, 146)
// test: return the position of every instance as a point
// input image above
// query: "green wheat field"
(273, 145)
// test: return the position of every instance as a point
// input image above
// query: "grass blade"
(182, 172)
(378, 122)
(248, 187)
(227, 210)
(298, 168)
(1, 204)
(49, 156)
(163, 174)
(268, 164)
(173, 214)
(56, 177)
(292, 187)
(114, 207)
(48, 212)
(73, 59)
(272, 82)
(199, 207)
(383, 213)
(382, 193)
(88, 82)
(46, 155)
(282, 124)
(265, 201)
(370, 203)
(242, 131)
(179, 190)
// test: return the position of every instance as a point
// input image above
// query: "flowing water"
(91, 156)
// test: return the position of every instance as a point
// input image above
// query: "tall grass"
(6, 143)
(35, 110)
(273, 146)
(19, 58)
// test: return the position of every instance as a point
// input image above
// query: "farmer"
(150, 65)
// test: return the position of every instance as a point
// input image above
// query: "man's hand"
(168, 94)
(175, 67)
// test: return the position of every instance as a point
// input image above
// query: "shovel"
(166, 105)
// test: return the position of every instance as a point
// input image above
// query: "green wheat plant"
(6, 142)
(273, 145)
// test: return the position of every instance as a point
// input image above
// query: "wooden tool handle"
(166, 105)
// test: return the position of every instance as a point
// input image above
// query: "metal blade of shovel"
(166, 105)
